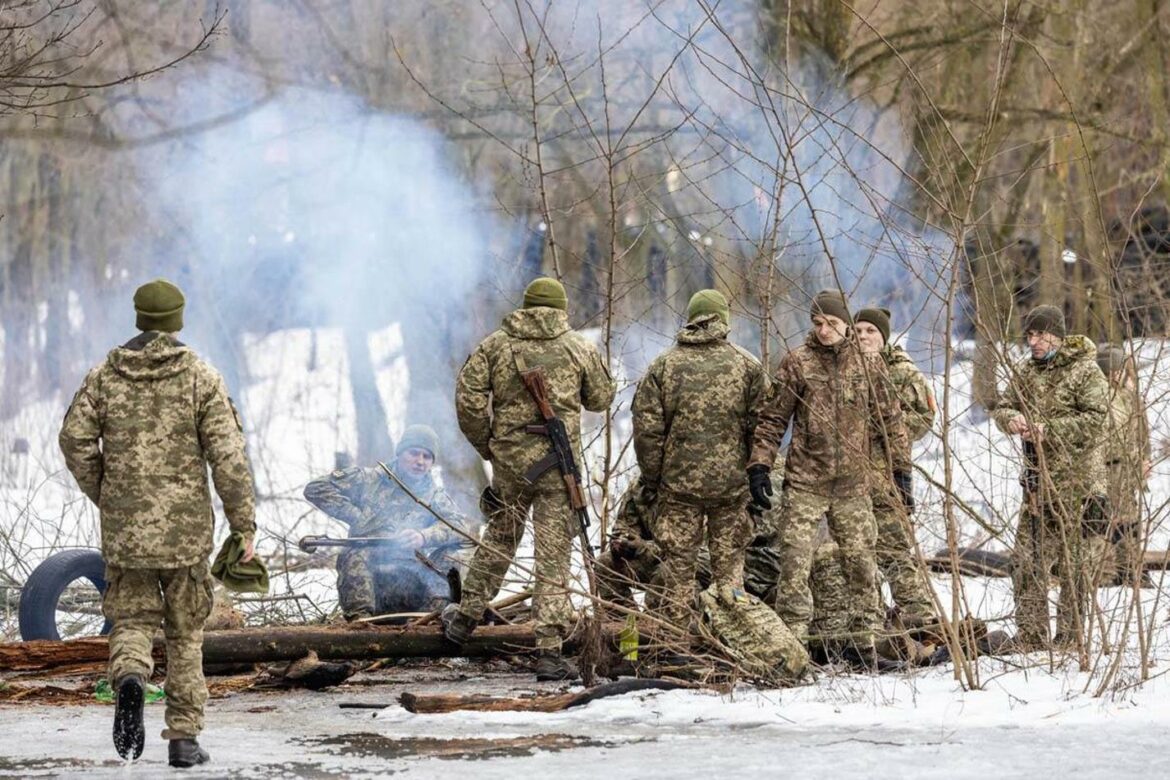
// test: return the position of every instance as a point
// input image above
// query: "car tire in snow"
(42, 592)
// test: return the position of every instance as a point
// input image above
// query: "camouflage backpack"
(752, 633)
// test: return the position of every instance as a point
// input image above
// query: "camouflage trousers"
(897, 561)
(1126, 531)
(369, 583)
(1052, 542)
(618, 577)
(852, 527)
(680, 530)
(137, 602)
(552, 518)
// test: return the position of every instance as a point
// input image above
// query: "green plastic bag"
(104, 692)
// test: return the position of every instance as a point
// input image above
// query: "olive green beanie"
(831, 303)
(159, 305)
(708, 302)
(878, 317)
(421, 436)
(546, 291)
(1045, 319)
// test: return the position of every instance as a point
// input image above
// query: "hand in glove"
(625, 548)
(760, 485)
(905, 486)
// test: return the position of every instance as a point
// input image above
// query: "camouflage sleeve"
(1082, 426)
(440, 534)
(1008, 406)
(917, 406)
(221, 435)
(776, 412)
(79, 437)
(597, 386)
(890, 423)
(758, 394)
(473, 395)
(339, 495)
(649, 426)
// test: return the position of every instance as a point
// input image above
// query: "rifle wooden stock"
(537, 386)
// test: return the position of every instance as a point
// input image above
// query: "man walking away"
(139, 437)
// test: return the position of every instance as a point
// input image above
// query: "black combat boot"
(129, 734)
(186, 752)
(551, 666)
(457, 627)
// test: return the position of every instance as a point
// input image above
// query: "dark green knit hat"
(832, 303)
(877, 316)
(1045, 319)
(546, 291)
(421, 436)
(708, 302)
(159, 305)
(1111, 359)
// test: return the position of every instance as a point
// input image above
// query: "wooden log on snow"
(266, 645)
(554, 702)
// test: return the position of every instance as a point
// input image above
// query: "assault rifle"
(1030, 479)
(560, 458)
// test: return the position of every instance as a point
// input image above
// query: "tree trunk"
(265, 645)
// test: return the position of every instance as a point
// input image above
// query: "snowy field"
(1034, 724)
(1029, 717)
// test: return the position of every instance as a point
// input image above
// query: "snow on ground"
(1022, 724)
(1027, 719)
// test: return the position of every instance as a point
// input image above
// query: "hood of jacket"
(537, 323)
(703, 330)
(1074, 349)
(150, 356)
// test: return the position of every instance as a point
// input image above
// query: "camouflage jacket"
(1069, 396)
(139, 437)
(492, 405)
(634, 519)
(909, 386)
(694, 413)
(837, 401)
(1127, 431)
(372, 504)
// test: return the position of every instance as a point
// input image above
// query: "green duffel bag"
(752, 634)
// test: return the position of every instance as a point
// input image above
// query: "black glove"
(905, 486)
(760, 485)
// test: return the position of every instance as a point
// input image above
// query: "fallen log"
(997, 563)
(555, 702)
(266, 645)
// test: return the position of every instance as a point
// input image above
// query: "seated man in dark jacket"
(390, 577)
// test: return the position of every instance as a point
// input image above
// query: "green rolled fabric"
(250, 577)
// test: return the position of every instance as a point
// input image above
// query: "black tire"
(42, 591)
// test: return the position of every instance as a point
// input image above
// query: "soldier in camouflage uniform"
(391, 578)
(893, 504)
(837, 402)
(138, 438)
(694, 413)
(632, 559)
(1127, 465)
(494, 409)
(1057, 401)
